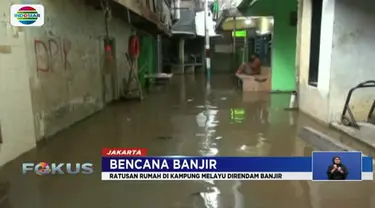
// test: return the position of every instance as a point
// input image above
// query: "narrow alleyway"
(181, 119)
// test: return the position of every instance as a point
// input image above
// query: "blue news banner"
(321, 166)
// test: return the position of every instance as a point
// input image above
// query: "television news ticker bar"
(123, 153)
(188, 176)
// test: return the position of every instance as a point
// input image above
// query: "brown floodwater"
(186, 117)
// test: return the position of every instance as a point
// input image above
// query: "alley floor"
(182, 118)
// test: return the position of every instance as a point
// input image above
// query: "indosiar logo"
(44, 168)
(27, 15)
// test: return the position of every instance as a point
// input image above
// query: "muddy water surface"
(185, 118)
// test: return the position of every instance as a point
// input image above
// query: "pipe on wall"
(159, 55)
(128, 17)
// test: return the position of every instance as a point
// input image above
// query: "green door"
(147, 58)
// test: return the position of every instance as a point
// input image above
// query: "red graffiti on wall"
(52, 54)
(41, 53)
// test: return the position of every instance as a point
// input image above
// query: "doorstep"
(365, 134)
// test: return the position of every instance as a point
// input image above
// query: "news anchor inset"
(337, 170)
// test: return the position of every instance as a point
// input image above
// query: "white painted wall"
(326, 47)
(200, 26)
(16, 116)
(314, 100)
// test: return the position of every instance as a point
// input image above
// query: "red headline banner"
(123, 152)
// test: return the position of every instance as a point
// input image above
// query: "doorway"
(316, 22)
(241, 37)
(253, 35)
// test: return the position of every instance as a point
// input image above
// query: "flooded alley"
(186, 117)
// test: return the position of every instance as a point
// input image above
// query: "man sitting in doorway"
(253, 67)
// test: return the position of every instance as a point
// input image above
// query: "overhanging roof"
(246, 3)
(186, 24)
(233, 12)
(145, 18)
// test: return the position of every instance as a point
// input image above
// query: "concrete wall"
(66, 63)
(345, 59)
(352, 56)
(52, 77)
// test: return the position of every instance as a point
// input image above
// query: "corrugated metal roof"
(186, 23)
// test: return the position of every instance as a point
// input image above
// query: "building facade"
(55, 75)
(334, 54)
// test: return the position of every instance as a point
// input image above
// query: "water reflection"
(261, 147)
(211, 197)
(208, 122)
(197, 124)
(237, 115)
(4, 195)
